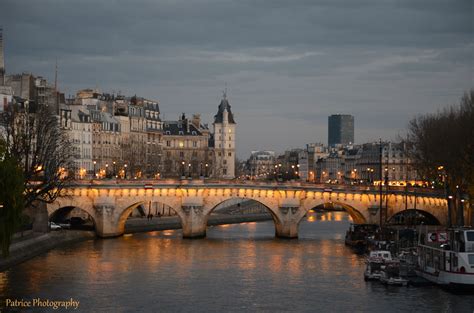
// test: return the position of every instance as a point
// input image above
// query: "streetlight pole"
(95, 175)
(380, 184)
(125, 171)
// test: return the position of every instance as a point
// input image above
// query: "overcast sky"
(287, 64)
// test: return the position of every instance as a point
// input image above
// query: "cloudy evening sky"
(287, 64)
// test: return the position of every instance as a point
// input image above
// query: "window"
(194, 132)
(230, 153)
(224, 171)
(230, 146)
(219, 154)
(194, 144)
(471, 259)
(181, 154)
(225, 162)
(230, 130)
(181, 132)
(181, 144)
(230, 138)
(168, 143)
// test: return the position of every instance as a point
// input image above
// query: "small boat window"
(471, 259)
(470, 235)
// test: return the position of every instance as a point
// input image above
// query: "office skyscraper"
(340, 129)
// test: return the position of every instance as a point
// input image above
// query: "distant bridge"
(110, 202)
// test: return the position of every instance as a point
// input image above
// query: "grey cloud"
(288, 64)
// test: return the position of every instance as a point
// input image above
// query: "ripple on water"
(236, 268)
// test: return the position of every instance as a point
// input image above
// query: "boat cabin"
(380, 254)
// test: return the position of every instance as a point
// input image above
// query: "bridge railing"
(152, 183)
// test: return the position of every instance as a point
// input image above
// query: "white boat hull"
(449, 278)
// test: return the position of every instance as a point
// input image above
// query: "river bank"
(33, 244)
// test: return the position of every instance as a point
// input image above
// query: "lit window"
(181, 144)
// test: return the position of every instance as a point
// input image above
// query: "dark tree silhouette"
(442, 148)
(11, 198)
(34, 139)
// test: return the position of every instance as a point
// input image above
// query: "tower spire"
(224, 95)
(2, 61)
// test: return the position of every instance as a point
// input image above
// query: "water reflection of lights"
(338, 216)
(128, 235)
(311, 218)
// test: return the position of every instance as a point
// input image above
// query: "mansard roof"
(224, 106)
(178, 128)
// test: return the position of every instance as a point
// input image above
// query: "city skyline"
(287, 66)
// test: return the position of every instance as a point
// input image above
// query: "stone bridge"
(109, 203)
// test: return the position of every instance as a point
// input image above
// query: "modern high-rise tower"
(340, 129)
(224, 140)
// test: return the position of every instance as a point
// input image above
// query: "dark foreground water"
(237, 268)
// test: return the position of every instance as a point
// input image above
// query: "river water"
(237, 268)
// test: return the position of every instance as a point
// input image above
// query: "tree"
(442, 148)
(34, 139)
(11, 198)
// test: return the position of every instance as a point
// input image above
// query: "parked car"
(54, 226)
(65, 225)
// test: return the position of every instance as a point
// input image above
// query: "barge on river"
(447, 258)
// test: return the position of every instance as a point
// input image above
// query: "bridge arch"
(61, 213)
(413, 217)
(209, 209)
(271, 203)
(85, 204)
(356, 215)
(125, 211)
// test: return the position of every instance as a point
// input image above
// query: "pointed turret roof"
(224, 106)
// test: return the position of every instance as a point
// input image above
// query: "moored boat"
(446, 258)
(392, 277)
(375, 263)
(356, 236)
